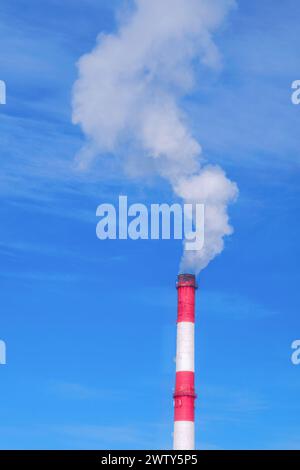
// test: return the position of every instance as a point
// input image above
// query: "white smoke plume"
(127, 101)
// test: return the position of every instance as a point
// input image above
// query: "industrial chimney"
(184, 395)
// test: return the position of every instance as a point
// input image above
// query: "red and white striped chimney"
(184, 395)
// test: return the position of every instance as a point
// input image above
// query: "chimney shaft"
(184, 396)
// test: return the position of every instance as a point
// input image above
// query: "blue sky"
(90, 325)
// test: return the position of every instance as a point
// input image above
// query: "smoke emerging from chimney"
(128, 97)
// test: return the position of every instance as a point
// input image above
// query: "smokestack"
(184, 395)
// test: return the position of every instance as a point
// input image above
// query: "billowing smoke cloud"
(127, 101)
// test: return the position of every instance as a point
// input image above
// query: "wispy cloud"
(220, 404)
(142, 435)
(102, 435)
(39, 276)
(232, 304)
(256, 124)
(77, 391)
(16, 249)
